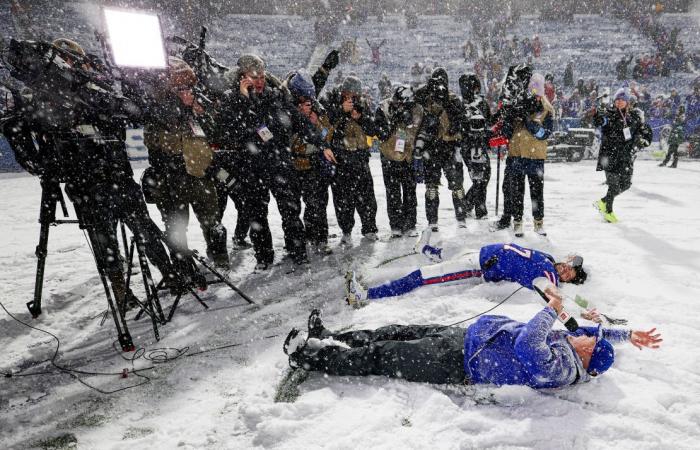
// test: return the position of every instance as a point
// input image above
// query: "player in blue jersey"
(493, 350)
(493, 263)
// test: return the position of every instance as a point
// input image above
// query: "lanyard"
(624, 117)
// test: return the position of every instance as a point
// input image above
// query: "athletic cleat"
(602, 207)
(315, 325)
(518, 228)
(610, 217)
(356, 295)
(294, 342)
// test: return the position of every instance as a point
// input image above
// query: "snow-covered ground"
(643, 269)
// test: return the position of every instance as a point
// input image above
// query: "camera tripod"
(116, 282)
(115, 286)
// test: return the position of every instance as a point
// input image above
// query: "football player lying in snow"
(493, 350)
(496, 262)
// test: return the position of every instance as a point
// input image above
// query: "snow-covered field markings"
(643, 269)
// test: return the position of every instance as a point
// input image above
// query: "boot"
(539, 227)
(518, 228)
(501, 224)
(322, 248)
(241, 244)
(346, 239)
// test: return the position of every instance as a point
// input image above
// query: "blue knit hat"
(603, 355)
(622, 94)
(301, 86)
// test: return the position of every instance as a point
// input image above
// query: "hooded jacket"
(501, 351)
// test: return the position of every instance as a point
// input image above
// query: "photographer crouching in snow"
(493, 350)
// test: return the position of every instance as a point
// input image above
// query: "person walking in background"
(675, 139)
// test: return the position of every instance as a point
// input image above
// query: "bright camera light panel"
(135, 38)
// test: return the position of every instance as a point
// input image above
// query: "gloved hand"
(536, 130)
(331, 61)
(418, 170)
(434, 254)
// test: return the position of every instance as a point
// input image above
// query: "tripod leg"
(174, 307)
(118, 288)
(47, 215)
(152, 301)
(222, 278)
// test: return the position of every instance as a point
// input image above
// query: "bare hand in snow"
(646, 339)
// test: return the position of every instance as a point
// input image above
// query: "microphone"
(540, 285)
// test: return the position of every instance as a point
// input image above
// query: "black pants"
(182, 191)
(313, 190)
(617, 184)
(441, 158)
(507, 189)
(401, 202)
(517, 169)
(224, 192)
(353, 189)
(226, 173)
(672, 151)
(257, 183)
(480, 175)
(421, 353)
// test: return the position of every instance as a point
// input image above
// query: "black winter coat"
(616, 153)
(244, 119)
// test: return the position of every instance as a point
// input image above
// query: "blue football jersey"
(511, 262)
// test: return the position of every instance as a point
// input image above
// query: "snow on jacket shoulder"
(501, 351)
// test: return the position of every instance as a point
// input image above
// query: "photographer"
(441, 151)
(258, 118)
(398, 119)
(527, 151)
(475, 145)
(623, 132)
(311, 167)
(180, 156)
(352, 186)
